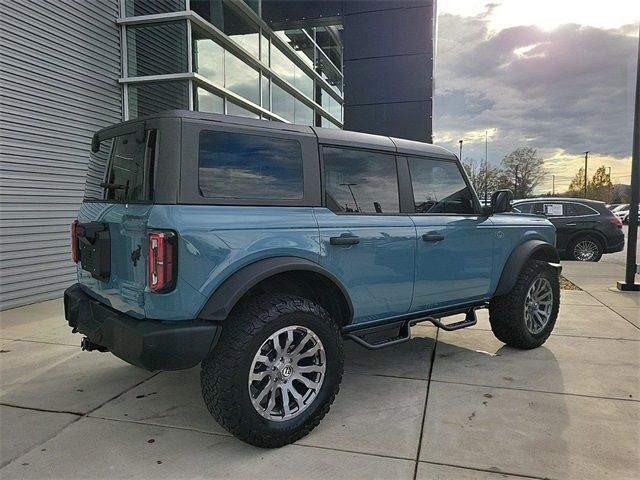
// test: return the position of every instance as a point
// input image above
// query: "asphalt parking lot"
(444, 405)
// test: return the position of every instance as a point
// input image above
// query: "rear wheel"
(525, 317)
(275, 371)
(585, 249)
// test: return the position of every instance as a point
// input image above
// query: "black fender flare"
(536, 249)
(225, 297)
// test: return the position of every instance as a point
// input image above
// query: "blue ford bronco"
(255, 248)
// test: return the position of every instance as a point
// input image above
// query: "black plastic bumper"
(618, 247)
(150, 344)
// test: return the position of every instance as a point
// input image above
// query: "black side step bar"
(404, 329)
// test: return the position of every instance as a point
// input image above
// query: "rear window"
(237, 165)
(122, 169)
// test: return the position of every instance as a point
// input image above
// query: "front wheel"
(525, 317)
(275, 371)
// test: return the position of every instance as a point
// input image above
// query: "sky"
(555, 75)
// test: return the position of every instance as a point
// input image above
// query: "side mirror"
(501, 201)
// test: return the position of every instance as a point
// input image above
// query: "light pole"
(460, 156)
(515, 185)
(586, 160)
(631, 269)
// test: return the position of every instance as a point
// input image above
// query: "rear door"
(112, 222)
(454, 242)
(364, 239)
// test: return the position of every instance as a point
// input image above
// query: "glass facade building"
(220, 56)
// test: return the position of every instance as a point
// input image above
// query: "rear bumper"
(150, 344)
(616, 247)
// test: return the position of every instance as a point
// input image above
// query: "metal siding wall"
(59, 65)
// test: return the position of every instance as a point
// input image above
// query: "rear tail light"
(75, 249)
(617, 222)
(163, 255)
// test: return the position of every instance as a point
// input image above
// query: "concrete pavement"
(444, 405)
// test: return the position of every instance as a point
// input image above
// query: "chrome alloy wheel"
(585, 250)
(287, 373)
(538, 305)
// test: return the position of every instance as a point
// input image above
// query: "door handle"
(345, 239)
(571, 224)
(432, 237)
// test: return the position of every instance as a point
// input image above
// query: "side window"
(525, 207)
(581, 210)
(360, 182)
(438, 187)
(237, 165)
(553, 209)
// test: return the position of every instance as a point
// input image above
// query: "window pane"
(234, 165)
(303, 82)
(134, 8)
(282, 65)
(241, 29)
(150, 98)
(358, 181)
(119, 173)
(282, 103)
(157, 49)
(237, 110)
(303, 115)
(581, 210)
(96, 171)
(240, 78)
(438, 187)
(525, 207)
(327, 123)
(264, 52)
(265, 93)
(209, 102)
(209, 60)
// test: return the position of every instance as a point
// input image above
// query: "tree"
(600, 187)
(576, 187)
(530, 169)
(493, 178)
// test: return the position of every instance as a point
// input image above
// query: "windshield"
(121, 170)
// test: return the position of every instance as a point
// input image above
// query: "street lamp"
(460, 156)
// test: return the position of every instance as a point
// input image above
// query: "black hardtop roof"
(326, 136)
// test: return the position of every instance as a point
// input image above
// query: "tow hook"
(89, 346)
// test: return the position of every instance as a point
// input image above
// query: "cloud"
(562, 91)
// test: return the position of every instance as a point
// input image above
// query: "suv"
(586, 228)
(255, 248)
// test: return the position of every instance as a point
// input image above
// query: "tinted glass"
(235, 165)
(358, 181)
(157, 49)
(150, 7)
(209, 102)
(438, 187)
(149, 98)
(525, 207)
(121, 174)
(580, 210)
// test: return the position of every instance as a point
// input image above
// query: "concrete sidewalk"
(444, 405)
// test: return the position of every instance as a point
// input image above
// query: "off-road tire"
(224, 375)
(588, 238)
(507, 312)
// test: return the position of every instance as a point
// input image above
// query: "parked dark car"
(585, 229)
